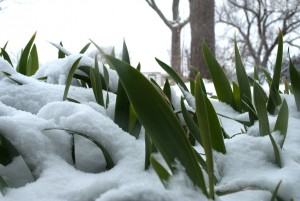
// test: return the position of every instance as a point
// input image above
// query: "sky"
(74, 22)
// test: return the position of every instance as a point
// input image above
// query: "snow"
(246, 172)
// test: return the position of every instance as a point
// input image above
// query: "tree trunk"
(202, 28)
(175, 51)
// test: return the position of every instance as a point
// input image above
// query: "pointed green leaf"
(203, 122)
(244, 86)
(274, 194)
(237, 96)
(3, 185)
(6, 56)
(167, 89)
(61, 54)
(69, 78)
(160, 121)
(160, 170)
(97, 83)
(282, 121)
(148, 150)
(125, 54)
(172, 73)
(191, 124)
(276, 151)
(274, 97)
(260, 105)
(122, 108)
(106, 79)
(84, 49)
(215, 128)
(23, 62)
(33, 61)
(295, 82)
(221, 83)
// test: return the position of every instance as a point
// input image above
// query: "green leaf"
(148, 150)
(6, 56)
(274, 194)
(125, 54)
(109, 162)
(191, 124)
(244, 86)
(260, 105)
(274, 97)
(84, 49)
(252, 112)
(215, 128)
(106, 79)
(167, 89)
(160, 170)
(69, 78)
(267, 75)
(172, 73)
(23, 62)
(203, 122)
(237, 96)
(263, 121)
(96, 83)
(33, 61)
(221, 83)
(7, 151)
(61, 54)
(282, 121)
(3, 185)
(122, 108)
(276, 151)
(160, 121)
(295, 82)
(9, 76)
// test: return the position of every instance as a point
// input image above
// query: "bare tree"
(257, 23)
(175, 25)
(202, 28)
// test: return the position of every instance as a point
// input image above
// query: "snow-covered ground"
(247, 170)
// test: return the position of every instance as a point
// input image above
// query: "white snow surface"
(246, 172)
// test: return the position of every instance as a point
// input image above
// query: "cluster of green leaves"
(28, 63)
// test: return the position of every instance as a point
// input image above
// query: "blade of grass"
(3, 185)
(84, 49)
(69, 78)
(244, 86)
(260, 105)
(161, 171)
(274, 194)
(263, 121)
(106, 79)
(125, 53)
(295, 82)
(97, 83)
(203, 122)
(6, 56)
(221, 83)
(191, 124)
(282, 121)
(274, 97)
(237, 96)
(172, 73)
